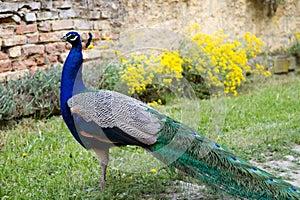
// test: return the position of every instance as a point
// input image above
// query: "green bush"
(34, 94)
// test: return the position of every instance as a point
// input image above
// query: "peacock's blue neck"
(71, 83)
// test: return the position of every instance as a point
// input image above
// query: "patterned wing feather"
(110, 109)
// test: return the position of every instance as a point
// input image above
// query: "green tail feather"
(183, 148)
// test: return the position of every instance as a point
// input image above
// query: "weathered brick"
(52, 58)
(44, 26)
(14, 40)
(31, 49)
(44, 15)
(64, 5)
(47, 15)
(68, 46)
(16, 18)
(105, 14)
(7, 30)
(7, 76)
(40, 60)
(61, 46)
(32, 38)
(18, 65)
(46, 5)
(2, 77)
(62, 25)
(22, 29)
(14, 52)
(83, 24)
(5, 16)
(96, 35)
(62, 57)
(8, 7)
(102, 25)
(5, 65)
(65, 14)
(55, 48)
(32, 5)
(85, 35)
(3, 56)
(30, 62)
(94, 14)
(108, 34)
(50, 48)
(50, 37)
(30, 17)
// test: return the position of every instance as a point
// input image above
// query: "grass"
(41, 160)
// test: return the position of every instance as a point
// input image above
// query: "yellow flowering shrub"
(217, 63)
(226, 60)
(170, 66)
(137, 73)
(140, 71)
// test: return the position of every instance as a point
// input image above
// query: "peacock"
(102, 119)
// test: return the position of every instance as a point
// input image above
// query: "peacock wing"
(109, 109)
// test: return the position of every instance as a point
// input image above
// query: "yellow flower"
(260, 67)
(91, 46)
(218, 139)
(24, 154)
(167, 80)
(155, 104)
(297, 36)
(106, 38)
(267, 73)
(153, 171)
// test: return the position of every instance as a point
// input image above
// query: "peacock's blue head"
(73, 38)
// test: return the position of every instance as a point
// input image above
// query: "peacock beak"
(64, 38)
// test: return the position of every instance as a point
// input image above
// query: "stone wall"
(235, 17)
(30, 30)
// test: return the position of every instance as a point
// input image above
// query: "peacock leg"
(103, 176)
(102, 155)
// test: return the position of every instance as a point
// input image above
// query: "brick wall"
(30, 31)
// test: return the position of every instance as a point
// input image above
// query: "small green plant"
(272, 6)
(295, 48)
(34, 94)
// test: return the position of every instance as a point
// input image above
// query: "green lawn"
(41, 160)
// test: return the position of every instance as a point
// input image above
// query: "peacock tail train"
(215, 165)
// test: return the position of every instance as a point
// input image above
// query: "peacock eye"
(72, 37)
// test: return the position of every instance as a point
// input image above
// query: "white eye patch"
(72, 37)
